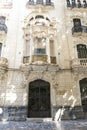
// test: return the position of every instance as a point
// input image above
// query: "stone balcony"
(76, 63)
(3, 62)
(39, 59)
(7, 5)
(80, 30)
(35, 4)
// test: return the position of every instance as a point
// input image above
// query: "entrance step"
(38, 120)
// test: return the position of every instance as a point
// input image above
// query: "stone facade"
(41, 44)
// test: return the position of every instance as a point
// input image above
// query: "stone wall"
(14, 87)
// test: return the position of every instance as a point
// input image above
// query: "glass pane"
(82, 51)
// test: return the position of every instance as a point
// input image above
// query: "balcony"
(3, 29)
(42, 4)
(35, 59)
(3, 62)
(80, 30)
(6, 4)
(39, 58)
(77, 5)
(77, 63)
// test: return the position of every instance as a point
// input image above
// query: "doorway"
(83, 90)
(39, 99)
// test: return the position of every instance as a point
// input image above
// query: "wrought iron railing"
(82, 29)
(80, 62)
(78, 4)
(47, 3)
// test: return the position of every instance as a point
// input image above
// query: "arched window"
(39, 16)
(0, 48)
(83, 90)
(82, 51)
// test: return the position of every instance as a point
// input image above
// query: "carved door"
(39, 99)
(83, 90)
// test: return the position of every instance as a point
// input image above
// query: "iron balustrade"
(46, 3)
(82, 29)
(78, 4)
(80, 62)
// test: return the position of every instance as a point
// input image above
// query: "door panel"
(39, 99)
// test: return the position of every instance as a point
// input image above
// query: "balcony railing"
(36, 58)
(6, 4)
(78, 4)
(39, 58)
(81, 62)
(40, 3)
(3, 27)
(79, 29)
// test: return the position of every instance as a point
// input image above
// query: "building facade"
(43, 59)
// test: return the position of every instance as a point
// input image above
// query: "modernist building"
(43, 59)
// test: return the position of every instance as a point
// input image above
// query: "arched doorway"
(83, 90)
(39, 99)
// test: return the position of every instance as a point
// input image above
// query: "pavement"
(46, 125)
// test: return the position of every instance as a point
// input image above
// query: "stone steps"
(38, 120)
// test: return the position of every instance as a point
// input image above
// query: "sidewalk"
(61, 125)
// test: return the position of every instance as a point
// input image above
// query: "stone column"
(48, 50)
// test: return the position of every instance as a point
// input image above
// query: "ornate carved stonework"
(3, 62)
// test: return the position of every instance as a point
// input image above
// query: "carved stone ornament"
(3, 62)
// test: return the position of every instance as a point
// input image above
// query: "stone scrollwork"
(3, 62)
(75, 63)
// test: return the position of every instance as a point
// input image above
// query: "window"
(39, 1)
(39, 16)
(0, 48)
(73, 3)
(39, 51)
(76, 22)
(77, 25)
(82, 51)
(83, 90)
(3, 27)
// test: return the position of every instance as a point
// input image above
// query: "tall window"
(0, 48)
(39, 46)
(76, 22)
(83, 90)
(82, 51)
(77, 25)
(39, 1)
(2, 20)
